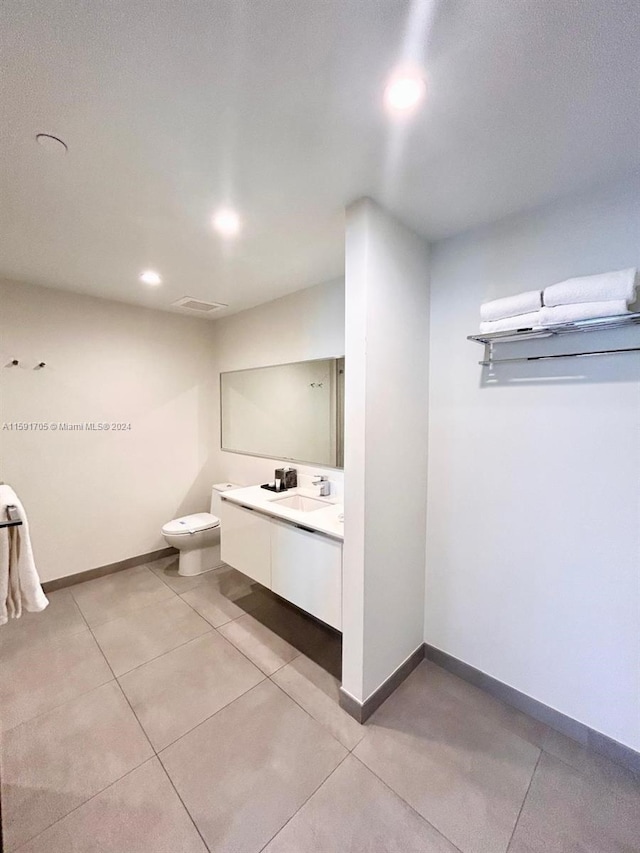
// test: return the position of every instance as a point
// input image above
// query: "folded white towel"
(522, 321)
(19, 581)
(511, 306)
(620, 284)
(582, 311)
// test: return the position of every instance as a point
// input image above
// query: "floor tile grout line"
(250, 613)
(114, 680)
(203, 575)
(541, 745)
(302, 805)
(153, 603)
(135, 610)
(282, 666)
(215, 628)
(77, 606)
(144, 731)
(128, 613)
(309, 714)
(184, 805)
(84, 803)
(524, 800)
(206, 719)
(84, 692)
(541, 750)
(4, 732)
(266, 674)
(267, 604)
(222, 624)
(264, 678)
(131, 613)
(635, 777)
(233, 645)
(322, 725)
(406, 802)
(157, 752)
(175, 591)
(126, 698)
(110, 576)
(89, 628)
(44, 637)
(166, 652)
(97, 643)
(49, 640)
(270, 676)
(202, 616)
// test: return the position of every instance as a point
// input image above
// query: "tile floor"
(148, 713)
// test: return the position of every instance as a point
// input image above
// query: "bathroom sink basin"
(301, 503)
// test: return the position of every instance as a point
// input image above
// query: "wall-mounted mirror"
(293, 412)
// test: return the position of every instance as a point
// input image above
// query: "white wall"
(306, 325)
(94, 498)
(533, 535)
(387, 349)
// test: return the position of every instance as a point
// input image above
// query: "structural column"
(386, 403)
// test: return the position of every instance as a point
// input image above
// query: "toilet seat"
(188, 524)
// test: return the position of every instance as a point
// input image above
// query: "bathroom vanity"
(290, 542)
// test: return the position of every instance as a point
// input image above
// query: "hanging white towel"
(618, 285)
(19, 582)
(582, 311)
(511, 306)
(508, 324)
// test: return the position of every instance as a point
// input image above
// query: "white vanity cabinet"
(306, 569)
(297, 563)
(246, 542)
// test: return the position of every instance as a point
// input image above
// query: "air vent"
(198, 305)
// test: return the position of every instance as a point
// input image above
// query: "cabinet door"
(306, 568)
(245, 539)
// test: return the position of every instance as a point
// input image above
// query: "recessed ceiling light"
(404, 92)
(227, 222)
(52, 143)
(150, 277)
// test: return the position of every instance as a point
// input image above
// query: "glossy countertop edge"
(321, 520)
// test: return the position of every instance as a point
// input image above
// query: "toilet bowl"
(197, 536)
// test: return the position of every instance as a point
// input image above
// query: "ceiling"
(170, 109)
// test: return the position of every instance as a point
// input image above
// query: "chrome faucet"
(325, 486)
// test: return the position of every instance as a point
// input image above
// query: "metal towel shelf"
(491, 338)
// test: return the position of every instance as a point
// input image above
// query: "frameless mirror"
(293, 412)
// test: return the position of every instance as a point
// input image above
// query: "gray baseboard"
(361, 711)
(554, 719)
(91, 574)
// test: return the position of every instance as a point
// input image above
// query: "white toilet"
(197, 536)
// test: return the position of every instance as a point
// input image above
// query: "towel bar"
(13, 520)
(491, 338)
(492, 361)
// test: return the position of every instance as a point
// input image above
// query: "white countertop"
(323, 520)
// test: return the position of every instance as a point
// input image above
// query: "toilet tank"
(216, 491)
